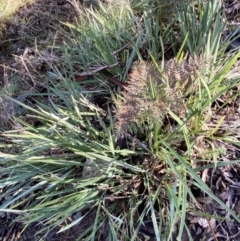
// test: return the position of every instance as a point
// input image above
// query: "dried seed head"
(151, 90)
(139, 105)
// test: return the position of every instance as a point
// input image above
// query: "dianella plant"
(128, 124)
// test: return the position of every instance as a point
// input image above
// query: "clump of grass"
(150, 177)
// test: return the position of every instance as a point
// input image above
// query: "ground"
(26, 51)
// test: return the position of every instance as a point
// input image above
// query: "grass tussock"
(129, 134)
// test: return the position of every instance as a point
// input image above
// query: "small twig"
(119, 50)
(226, 237)
(29, 74)
(10, 232)
(139, 143)
(113, 80)
(212, 230)
(229, 180)
(114, 198)
(97, 70)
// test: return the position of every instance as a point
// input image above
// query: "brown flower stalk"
(150, 91)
